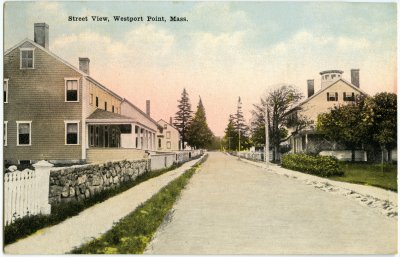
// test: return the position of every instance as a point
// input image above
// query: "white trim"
(30, 132)
(84, 134)
(33, 57)
(5, 133)
(65, 89)
(66, 122)
(5, 80)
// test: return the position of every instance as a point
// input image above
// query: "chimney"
(41, 34)
(355, 77)
(148, 107)
(84, 65)
(310, 87)
(170, 120)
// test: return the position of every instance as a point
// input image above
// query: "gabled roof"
(168, 124)
(325, 88)
(66, 63)
(142, 112)
(47, 51)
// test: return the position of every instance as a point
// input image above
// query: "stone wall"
(78, 183)
(184, 156)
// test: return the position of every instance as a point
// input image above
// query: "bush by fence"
(324, 166)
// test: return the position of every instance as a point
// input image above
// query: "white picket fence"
(27, 192)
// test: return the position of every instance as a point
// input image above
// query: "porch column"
(139, 137)
(133, 135)
(154, 141)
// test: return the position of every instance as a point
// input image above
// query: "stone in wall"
(79, 183)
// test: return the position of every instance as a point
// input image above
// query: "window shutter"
(327, 97)
(344, 96)
(336, 95)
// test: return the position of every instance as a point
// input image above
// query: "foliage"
(183, 117)
(278, 103)
(343, 124)
(369, 121)
(133, 233)
(324, 166)
(236, 129)
(369, 174)
(216, 143)
(381, 115)
(59, 212)
(231, 138)
(199, 135)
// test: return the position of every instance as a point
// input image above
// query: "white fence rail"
(26, 192)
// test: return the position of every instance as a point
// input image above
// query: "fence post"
(42, 169)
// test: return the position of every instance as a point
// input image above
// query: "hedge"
(324, 166)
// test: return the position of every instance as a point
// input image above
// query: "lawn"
(369, 174)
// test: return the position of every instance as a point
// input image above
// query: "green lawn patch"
(369, 174)
(132, 233)
(28, 225)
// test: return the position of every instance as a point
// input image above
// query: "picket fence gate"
(27, 192)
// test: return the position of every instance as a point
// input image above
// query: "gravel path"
(231, 207)
(94, 221)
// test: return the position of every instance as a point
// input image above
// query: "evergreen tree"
(235, 126)
(183, 117)
(199, 134)
(231, 137)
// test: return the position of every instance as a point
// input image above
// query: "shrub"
(324, 166)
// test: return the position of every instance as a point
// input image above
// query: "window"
(136, 129)
(24, 133)
(326, 76)
(105, 106)
(5, 128)
(71, 90)
(168, 134)
(97, 101)
(165, 126)
(5, 90)
(348, 96)
(27, 58)
(112, 108)
(117, 110)
(91, 135)
(125, 128)
(137, 142)
(91, 99)
(332, 96)
(333, 76)
(168, 144)
(72, 132)
(159, 143)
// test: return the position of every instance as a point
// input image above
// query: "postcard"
(186, 128)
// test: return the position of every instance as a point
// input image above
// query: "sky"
(224, 50)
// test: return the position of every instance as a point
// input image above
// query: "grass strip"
(370, 174)
(28, 225)
(132, 233)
